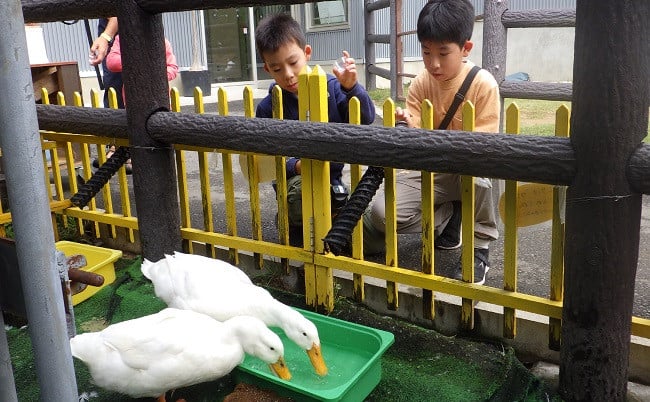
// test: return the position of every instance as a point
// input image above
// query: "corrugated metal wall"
(68, 41)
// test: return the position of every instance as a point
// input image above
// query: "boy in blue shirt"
(283, 48)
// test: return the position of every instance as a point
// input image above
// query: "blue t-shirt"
(338, 112)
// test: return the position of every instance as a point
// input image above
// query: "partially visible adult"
(106, 31)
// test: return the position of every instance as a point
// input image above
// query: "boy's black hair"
(446, 21)
(276, 30)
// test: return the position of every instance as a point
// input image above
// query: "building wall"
(526, 47)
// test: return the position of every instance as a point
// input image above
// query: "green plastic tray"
(352, 353)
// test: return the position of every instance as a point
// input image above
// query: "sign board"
(534, 204)
(265, 167)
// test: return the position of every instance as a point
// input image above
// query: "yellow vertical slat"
(125, 200)
(50, 197)
(72, 174)
(85, 162)
(307, 216)
(222, 102)
(199, 106)
(122, 180)
(106, 190)
(467, 232)
(510, 233)
(69, 163)
(358, 288)
(56, 168)
(428, 222)
(281, 181)
(101, 154)
(253, 182)
(45, 96)
(56, 173)
(562, 129)
(307, 205)
(206, 198)
(54, 160)
(112, 98)
(181, 171)
(228, 182)
(92, 206)
(77, 99)
(320, 178)
(392, 293)
(45, 99)
(204, 179)
(94, 98)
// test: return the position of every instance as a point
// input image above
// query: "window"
(328, 14)
(263, 11)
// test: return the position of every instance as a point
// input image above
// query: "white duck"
(147, 356)
(200, 262)
(216, 288)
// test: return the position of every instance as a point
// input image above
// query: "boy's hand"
(403, 115)
(347, 75)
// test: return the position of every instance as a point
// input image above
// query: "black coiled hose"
(89, 189)
(339, 238)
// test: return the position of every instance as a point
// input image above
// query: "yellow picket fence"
(319, 265)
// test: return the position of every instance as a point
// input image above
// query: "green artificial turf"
(422, 365)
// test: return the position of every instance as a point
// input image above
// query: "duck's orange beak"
(280, 369)
(316, 358)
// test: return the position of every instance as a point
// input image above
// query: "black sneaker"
(295, 235)
(481, 266)
(449, 239)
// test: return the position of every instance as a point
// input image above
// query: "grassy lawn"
(379, 95)
(537, 117)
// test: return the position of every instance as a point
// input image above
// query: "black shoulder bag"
(459, 97)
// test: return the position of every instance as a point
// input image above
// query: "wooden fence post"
(147, 92)
(609, 119)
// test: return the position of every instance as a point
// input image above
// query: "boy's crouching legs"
(294, 207)
(374, 240)
(485, 230)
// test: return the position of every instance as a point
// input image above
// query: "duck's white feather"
(148, 356)
(217, 289)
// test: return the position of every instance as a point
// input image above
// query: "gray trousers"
(446, 189)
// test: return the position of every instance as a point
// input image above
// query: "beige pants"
(447, 189)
